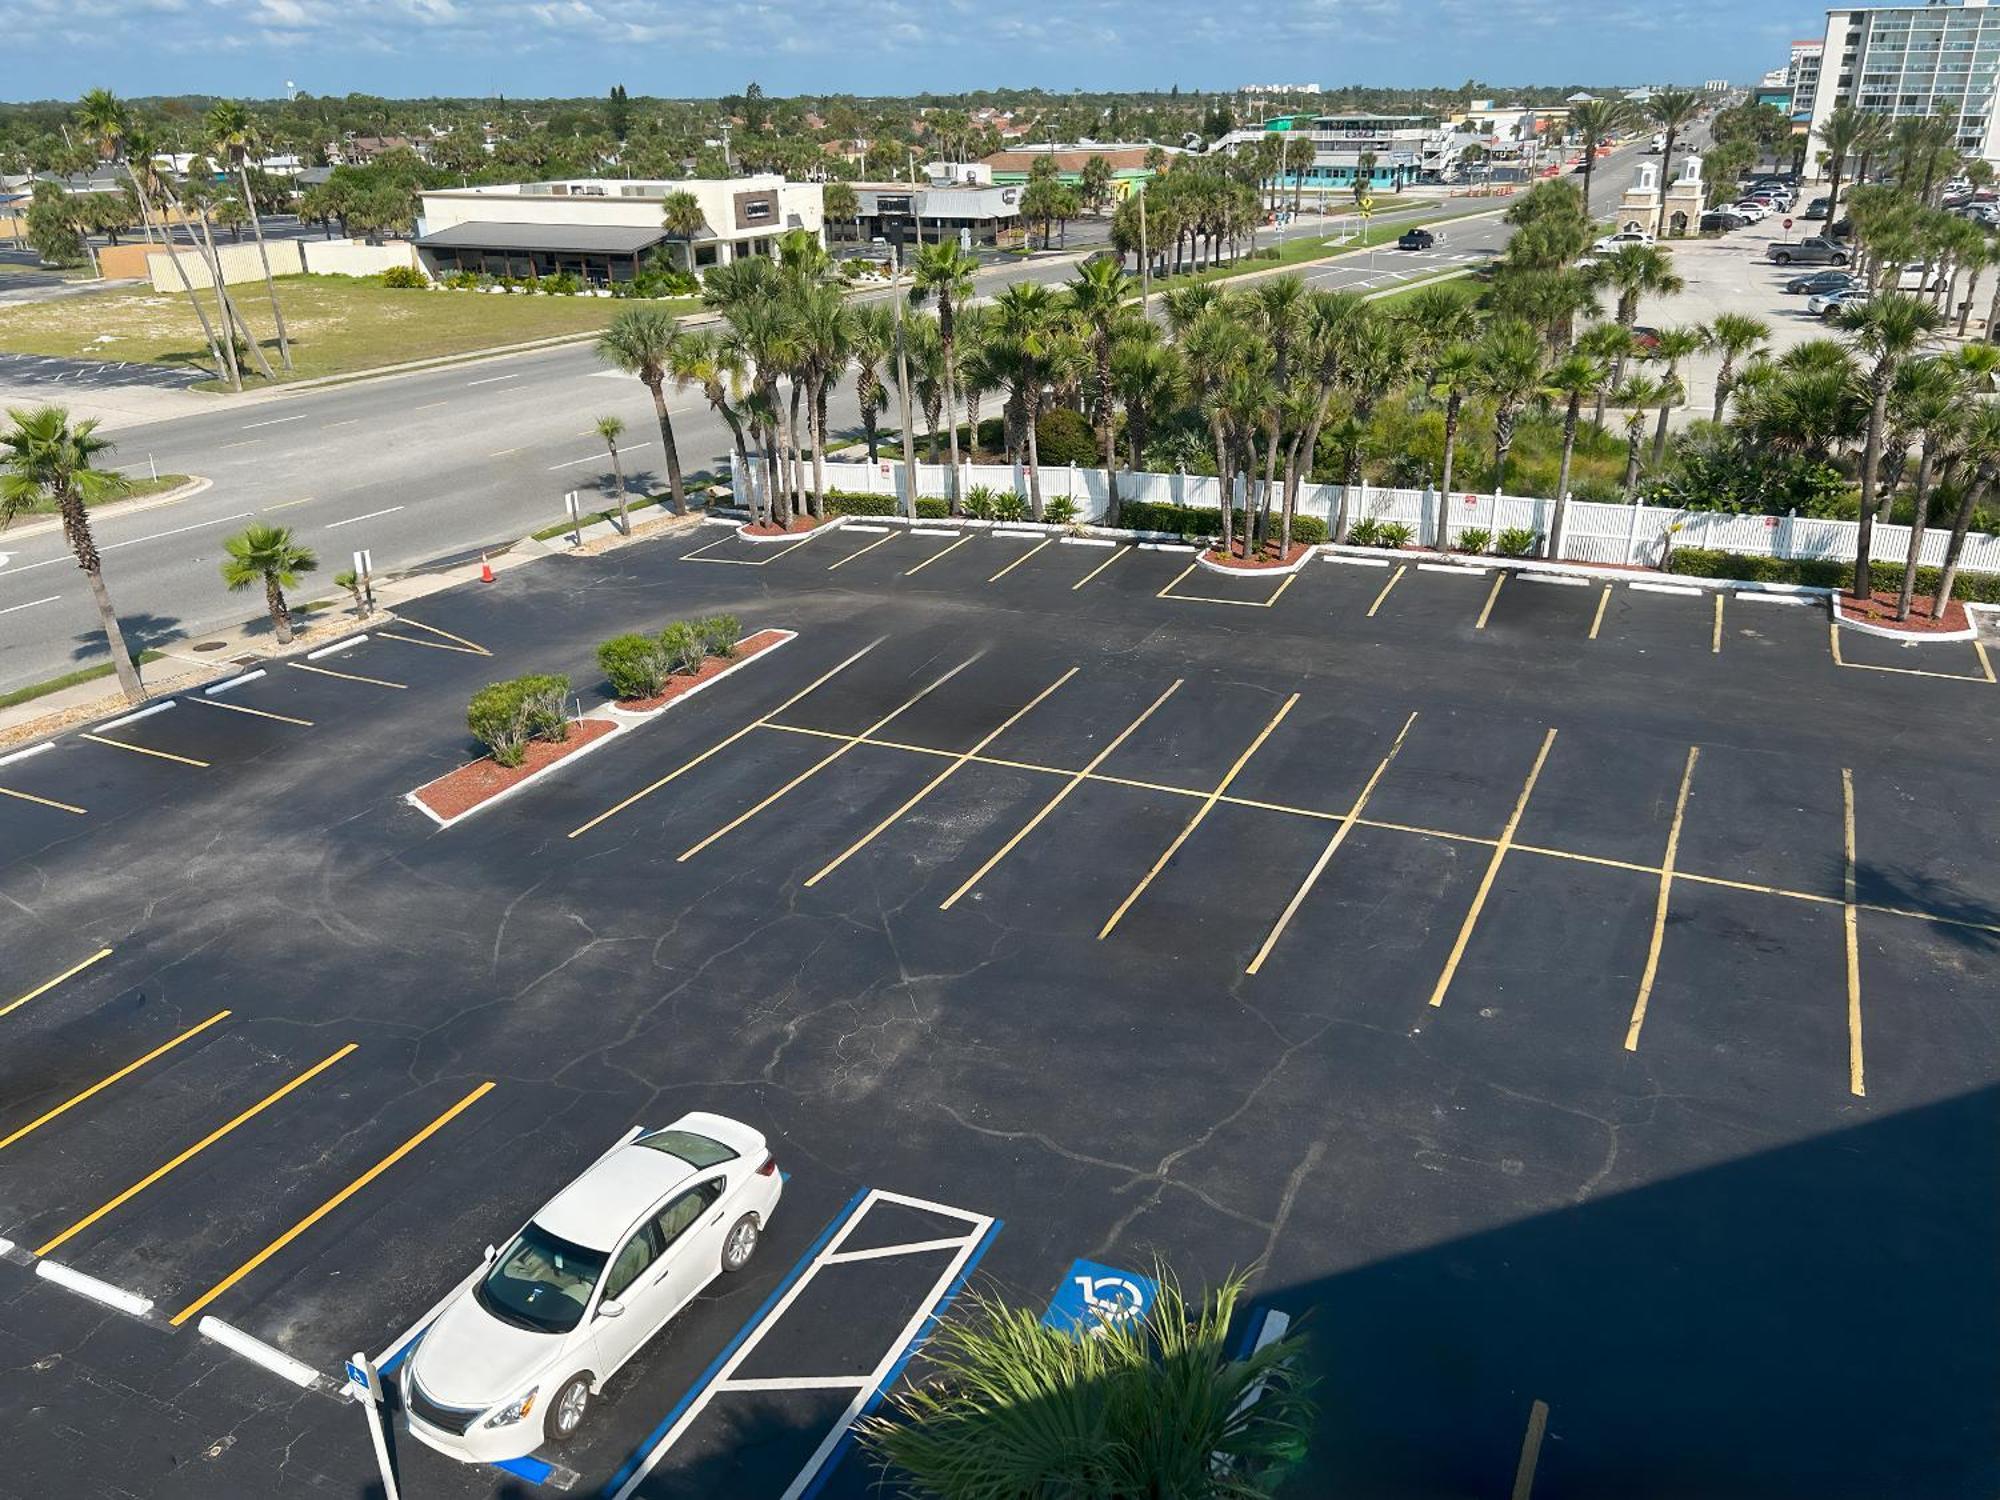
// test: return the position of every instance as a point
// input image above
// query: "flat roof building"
(1128, 163)
(975, 213)
(1909, 60)
(603, 229)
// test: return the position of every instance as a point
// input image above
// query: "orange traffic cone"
(485, 569)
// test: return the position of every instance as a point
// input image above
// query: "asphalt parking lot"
(1574, 998)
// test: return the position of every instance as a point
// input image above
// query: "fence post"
(1427, 517)
(1632, 534)
(1556, 526)
(1785, 533)
(1493, 521)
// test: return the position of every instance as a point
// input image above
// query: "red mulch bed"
(799, 523)
(1267, 557)
(468, 786)
(763, 640)
(1881, 610)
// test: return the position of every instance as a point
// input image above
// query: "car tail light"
(770, 1166)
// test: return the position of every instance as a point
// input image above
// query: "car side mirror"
(490, 1253)
(610, 1307)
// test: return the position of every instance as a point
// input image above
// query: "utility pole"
(1145, 259)
(903, 389)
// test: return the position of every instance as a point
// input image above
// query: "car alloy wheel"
(741, 1244)
(566, 1412)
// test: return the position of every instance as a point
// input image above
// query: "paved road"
(418, 467)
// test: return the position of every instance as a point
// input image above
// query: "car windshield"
(541, 1282)
(698, 1151)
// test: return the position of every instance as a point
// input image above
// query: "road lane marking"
(104, 1083)
(495, 379)
(724, 744)
(275, 421)
(1200, 813)
(42, 989)
(473, 646)
(1715, 641)
(345, 676)
(1856, 1079)
(330, 1205)
(298, 1081)
(371, 515)
(1333, 845)
(184, 760)
(1660, 903)
(938, 780)
(287, 504)
(820, 765)
(1394, 579)
(507, 452)
(430, 406)
(261, 713)
(241, 443)
(1021, 559)
(1075, 780)
(50, 562)
(597, 458)
(14, 608)
(1500, 849)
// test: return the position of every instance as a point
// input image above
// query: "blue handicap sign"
(1091, 1296)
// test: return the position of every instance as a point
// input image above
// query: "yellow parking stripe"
(939, 553)
(1487, 613)
(473, 646)
(1856, 1080)
(261, 713)
(345, 676)
(1492, 869)
(1715, 641)
(1660, 903)
(68, 807)
(860, 551)
(42, 989)
(1597, 620)
(185, 760)
(197, 1148)
(1075, 780)
(938, 780)
(1394, 579)
(1187, 831)
(104, 1083)
(1116, 554)
(330, 1205)
(1045, 541)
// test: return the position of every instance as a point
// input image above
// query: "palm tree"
(1596, 120)
(1097, 296)
(1839, 134)
(642, 341)
(1933, 405)
(1614, 344)
(1128, 1407)
(680, 216)
(1670, 109)
(1634, 396)
(1216, 345)
(871, 340)
(825, 337)
(1981, 454)
(1510, 375)
(1299, 154)
(945, 272)
(1737, 336)
(715, 363)
(232, 134)
(1149, 379)
(1437, 317)
(611, 429)
(48, 460)
(1889, 329)
(1571, 379)
(1636, 271)
(267, 555)
(1456, 373)
(1024, 319)
(1675, 345)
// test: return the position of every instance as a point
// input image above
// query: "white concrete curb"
(831, 523)
(1890, 633)
(641, 716)
(1285, 570)
(261, 1354)
(15, 755)
(228, 683)
(618, 727)
(352, 640)
(129, 1303)
(144, 713)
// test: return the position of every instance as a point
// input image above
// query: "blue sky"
(703, 47)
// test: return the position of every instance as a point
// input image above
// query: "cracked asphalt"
(1736, 1234)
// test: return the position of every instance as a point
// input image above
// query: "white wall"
(239, 264)
(356, 257)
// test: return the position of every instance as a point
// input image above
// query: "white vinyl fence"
(1592, 531)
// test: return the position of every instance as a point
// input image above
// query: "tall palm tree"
(267, 555)
(1150, 379)
(46, 459)
(611, 429)
(232, 135)
(1888, 329)
(1217, 345)
(642, 341)
(1024, 329)
(1572, 379)
(1437, 317)
(1097, 296)
(1671, 110)
(1839, 134)
(1456, 373)
(1596, 121)
(715, 363)
(1510, 375)
(1736, 336)
(1614, 344)
(1981, 454)
(1675, 345)
(680, 216)
(1634, 396)
(871, 340)
(945, 272)
(1934, 406)
(825, 341)
(1634, 272)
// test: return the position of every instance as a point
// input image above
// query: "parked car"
(515, 1356)
(1645, 339)
(1723, 219)
(1815, 209)
(1611, 243)
(1815, 250)
(1417, 239)
(1751, 209)
(1817, 283)
(1828, 303)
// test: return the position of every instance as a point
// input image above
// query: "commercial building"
(603, 229)
(1394, 146)
(899, 213)
(1010, 168)
(1903, 60)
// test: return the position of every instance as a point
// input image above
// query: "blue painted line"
(631, 1465)
(531, 1469)
(881, 1392)
(395, 1360)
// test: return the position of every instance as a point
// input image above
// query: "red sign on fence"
(1471, 500)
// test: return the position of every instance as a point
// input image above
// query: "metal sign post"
(575, 519)
(367, 1382)
(1365, 207)
(364, 575)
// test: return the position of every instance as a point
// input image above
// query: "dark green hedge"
(1825, 573)
(1190, 520)
(855, 503)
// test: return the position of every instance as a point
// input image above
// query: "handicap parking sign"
(1091, 1296)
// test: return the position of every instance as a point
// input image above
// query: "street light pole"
(903, 390)
(1145, 259)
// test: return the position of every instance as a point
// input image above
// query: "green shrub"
(854, 503)
(1011, 506)
(993, 434)
(463, 281)
(1062, 436)
(505, 716)
(1518, 541)
(1473, 539)
(683, 648)
(562, 284)
(719, 634)
(405, 279)
(1825, 573)
(1365, 533)
(932, 508)
(634, 665)
(1060, 511)
(1392, 534)
(979, 502)
(1198, 521)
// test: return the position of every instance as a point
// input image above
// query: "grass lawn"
(1308, 248)
(1461, 284)
(140, 487)
(338, 324)
(36, 690)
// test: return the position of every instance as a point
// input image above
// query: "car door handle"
(717, 1219)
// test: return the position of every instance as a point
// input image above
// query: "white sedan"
(515, 1357)
(1611, 243)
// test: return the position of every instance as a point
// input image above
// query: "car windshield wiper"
(506, 1314)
